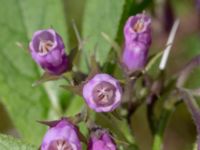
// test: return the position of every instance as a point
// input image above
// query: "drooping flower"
(102, 93)
(48, 50)
(61, 136)
(101, 140)
(137, 34)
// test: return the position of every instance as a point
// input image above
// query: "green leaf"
(190, 50)
(8, 143)
(75, 106)
(101, 16)
(121, 128)
(36, 14)
(25, 104)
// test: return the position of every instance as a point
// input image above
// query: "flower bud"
(48, 50)
(102, 93)
(62, 136)
(137, 34)
(101, 140)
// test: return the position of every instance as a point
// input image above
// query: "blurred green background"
(21, 104)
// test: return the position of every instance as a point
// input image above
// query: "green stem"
(158, 137)
(195, 146)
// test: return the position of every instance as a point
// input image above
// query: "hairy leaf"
(101, 16)
(25, 104)
(7, 143)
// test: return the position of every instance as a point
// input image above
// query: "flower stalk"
(159, 133)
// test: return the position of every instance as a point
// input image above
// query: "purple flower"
(48, 50)
(62, 136)
(102, 93)
(137, 34)
(138, 29)
(135, 56)
(101, 140)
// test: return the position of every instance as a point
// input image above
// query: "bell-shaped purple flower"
(135, 56)
(102, 93)
(138, 29)
(101, 140)
(137, 34)
(48, 50)
(62, 136)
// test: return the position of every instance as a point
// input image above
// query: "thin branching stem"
(158, 138)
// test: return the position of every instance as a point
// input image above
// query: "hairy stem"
(150, 112)
(156, 89)
(158, 137)
(193, 108)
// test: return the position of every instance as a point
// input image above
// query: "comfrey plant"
(112, 98)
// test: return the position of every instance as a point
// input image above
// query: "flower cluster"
(63, 135)
(101, 91)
